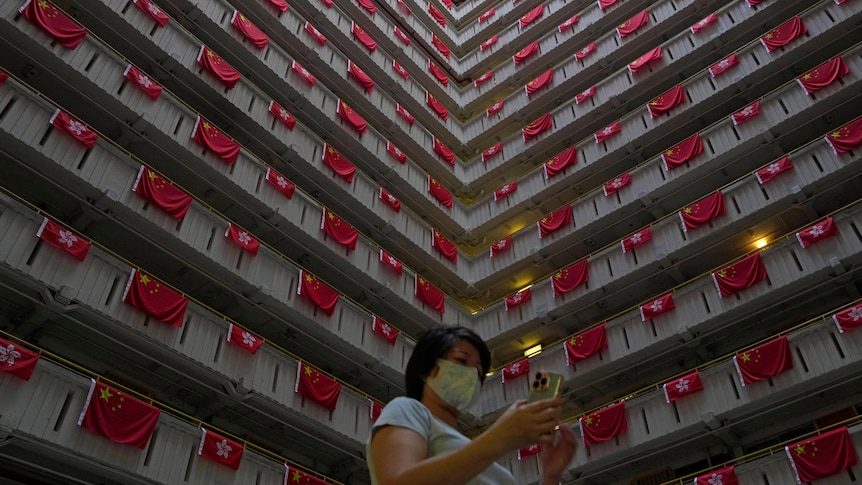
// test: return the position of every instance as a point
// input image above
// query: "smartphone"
(544, 385)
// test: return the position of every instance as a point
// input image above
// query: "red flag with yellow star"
(318, 387)
(603, 425)
(823, 75)
(586, 344)
(677, 155)
(317, 292)
(217, 66)
(764, 361)
(362, 37)
(436, 15)
(351, 117)
(740, 275)
(702, 211)
(244, 26)
(641, 62)
(210, 137)
(292, 476)
(439, 192)
(822, 456)
(536, 84)
(531, 16)
(441, 46)
(666, 101)
(444, 246)
(161, 193)
(567, 158)
(118, 416)
(436, 106)
(567, 279)
(555, 220)
(335, 227)
(428, 293)
(445, 152)
(368, 5)
(155, 299)
(629, 27)
(846, 138)
(538, 126)
(340, 165)
(784, 34)
(522, 55)
(54, 22)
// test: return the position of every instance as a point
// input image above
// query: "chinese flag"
(142, 81)
(402, 36)
(279, 182)
(516, 299)
(161, 193)
(17, 360)
(616, 184)
(335, 227)
(666, 101)
(722, 476)
(522, 55)
(567, 279)
(531, 16)
(318, 387)
(740, 275)
(148, 7)
(363, 38)
(150, 296)
(395, 152)
(567, 158)
(496, 107)
(436, 14)
(538, 126)
(822, 456)
(118, 416)
(764, 361)
(384, 330)
(488, 43)
(303, 73)
(445, 152)
(706, 22)
(723, 65)
(818, 232)
(490, 152)
(351, 117)
(438, 74)
(574, 19)
(439, 192)
(281, 5)
(295, 477)
(442, 47)
(318, 36)
(823, 75)
(501, 246)
(317, 292)
(57, 24)
(585, 95)
(338, 163)
(436, 106)
(536, 84)
(242, 238)
(79, 131)
(631, 25)
(404, 114)
(374, 410)
(219, 449)
(62, 238)
(444, 246)
(485, 16)
(660, 305)
(683, 386)
(846, 138)
(604, 4)
(505, 190)
(585, 51)
(249, 30)
(286, 118)
(642, 61)
(529, 451)
(784, 34)
(218, 67)
(586, 344)
(702, 211)
(605, 424)
(746, 113)
(368, 5)
(390, 261)
(848, 319)
(400, 69)
(483, 79)
(429, 294)
(772, 170)
(555, 220)
(516, 369)
(243, 339)
(607, 132)
(678, 155)
(637, 239)
(210, 137)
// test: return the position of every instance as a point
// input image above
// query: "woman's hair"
(432, 344)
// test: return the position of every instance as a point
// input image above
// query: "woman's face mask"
(456, 384)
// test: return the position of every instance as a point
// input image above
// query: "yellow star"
(588, 420)
(145, 280)
(296, 476)
(746, 357)
(835, 134)
(308, 278)
(807, 76)
(106, 394)
(688, 210)
(722, 273)
(308, 371)
(800, 450)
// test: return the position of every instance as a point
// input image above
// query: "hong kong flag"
(704, 23)
(118, 416)
(436, 106)
(585, 95)
(54, 22)
(604, 425)
(286, 118)
(586, 344)
(340, 165)
(567, 158)
(318, 387)
(62, 238)
(155, 299)
(848, 319)
(823, 75)
(368, 5)
(445, 152)
(822, 456)
(438, 73)
(278, 181)
(522, 55)
(529, 451)
(161, 193)
(335, 227)
(723, 65)
(703, 211)
(402, 36)
(554, 221)
(495, 108)
(616, 184)
(390, 261)
(492, 151)
(317, 292)
(659, 306)
(531, 16)
(772, 170)
(404, 114)
(488, 43)
(764, 361)
(518, 298)
(538, 126)
(148, 7)
(404, 8)
(303, 73)
(319, 37)
(441, 46)
(219, 449)
(293, 476)
(399, 69)
(483, 79)
(213, 139)
(242, 238)
(740, 275)
(604, 4)
(722, 476)
(374, 410)
(846, 138)
(485, 16)
(666, 101)
(501, 246)
(141, 80)
(395, 152)
(573, 20)
(607, 132)
(17, 360)
(429, 294)
(746, 113)
(218, 67)
(681, 387)
(363, 38)
(390, 200)
(784, 34)
(818, 232)
(676, 156)
(444, 246)
(516, 369)
(384, 330)
(585, 51)
(637, 239)
(567, 279)
(642, 61)
(439, 192)
(242, 24)
(436, 14)
(629, 27)
(351, 117)
(243, 339)
(71, 126)
(540, 82)
(505, 190)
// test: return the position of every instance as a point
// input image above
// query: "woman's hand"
(523, 424)
(557, 455)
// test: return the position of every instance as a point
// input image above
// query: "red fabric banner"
(848, 319)
(281, 5)
(161, 193)
(703, 211)
(340, 165)
(516, 299)
(772, 170)
(141, 80)
(537, 127)
(339, 230)
(438, 73)
(242, 238)
(436, 106)
(374, 410)
(316, 34)
(303, 73)
(429, 294)
(150, 296)
(817, 232)
(390, 200)
(764, 361)
(483, 79)
(784, 34)
(642, 61)
(318, 387)
(351, 117)
(368, 5)
(823, 75)
(677, 155)
(585, 51)
(445, 152)
(846, 138)
(243, 339)
(536, 84)
(390, 261)
(604, 425)
(629, 27)
(659, 306)
(723, 65)
(404, 114)
(566, 158)
(242, 24)
(667, 101)
(554, 221)
(501, 246)
(217, 66)
(586, 344)
(485, 16)
(522, 55)
(278, 181)
(286, 118)
(384, 330)
(637, 239)
(616, 184)
(396, 152)
(219, 449)
(722, 476)
(148, 7)
(362, 37)
(529, 451)
(317, 292)
(398, 68)
(604, 4)
(54, 22)
(71, 126)
(585, 95)
(441, 46)
(703, 24)
(439, 192)
(567, 279)
(607, 132)
(681, 387)
(444, 246)
(62, 238)
(436, 14)
(402, 36)
(17, 360)
(516, 369)
(293, 476)
(488, 43)
(746, 113)
(448, 3)
(573, 20)
(495, 108)
(740, 275)
(118, 416)
(492, 150)
(3, 78)
(404, 8)
(531, 16)
(328, 3)
(213, 139)
(822, 456)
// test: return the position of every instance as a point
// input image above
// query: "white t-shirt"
(413, 415)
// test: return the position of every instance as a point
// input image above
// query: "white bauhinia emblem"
(608, 130)
(77, 127)
(585, 51)
(244, 238)
(514, 368)
(500, 245)
(281, 182)
(773, 167)
(517, 298)
(856, 314)
(491, 152)
(617, 183)
(391, 198)
(283, 114)
(385, 328)
(724, 63)
(682, 384)
(817, 231)
(9, 354)
(587, 93)
(224, 449)
(392, 261)
(715, 479)
(748, 111)
(154, 9)
(67, 238)
(636, 238)
(248, 339)
(504, 189)
(703, 23)
(656, 306)
(496, 106)
(144, 81)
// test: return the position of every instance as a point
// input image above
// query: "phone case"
(544, 385)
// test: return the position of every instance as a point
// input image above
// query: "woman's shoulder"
(405, 405)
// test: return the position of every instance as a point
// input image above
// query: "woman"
(415, 440)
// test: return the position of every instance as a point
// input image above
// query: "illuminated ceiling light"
(760, 243)
(533, 350)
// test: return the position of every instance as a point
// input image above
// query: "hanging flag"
(567, 158)
(537, 127)
(604, 4)
(515, 369)
(217, 66)
(303, 73)
(71, 126)
(351, 117)
(569, 278)
(436, 15)
(495, 108)
(642, 61)
(213, 139)
(536, 84)
(243, 339)
(439, 192)
(442, 47)
(722, 476)
(522, 55)
(822, 456)
(368, 5)
(491, 151)
(585, 95)
(558, 219)
(444, 246)
(488, 43)
(703, 211)
(292, 476)
(384, 330)
(784, 34)
(586, 344)
(445, 152)
(249, 30)
(390, 200)
(150, 296)
(637, 239)
(823, 75)
(404, 8)
(279, 182)
(438, 73)
(677, 155)
(362, 37)
(616, 184)
(585, 51)
(242, 238)
(764, 361)
(402, 36)
(281, 5)
(529, 451)
(629, 27)
(740, 275)
(318, 387)
(659, 306)
(3, 78)
(483, 79)
(666, 101)
(681, 387)
(141, 80)
(429, 294)
(118, 416)
(603, 425)
(161, 193)
(772, 170)
(328, 3)
(703, 24)
(374, 410)
(517, 298)
(404, 114)
(400, 70)
(846, 138)
(319, 37)
(395, 152)
(148, 7)
(501, 246)
(818, 232)
(531, 16)
(485, 16)
(848, 319)
(436, 106)
(62, 238)
(286, 118)
(390, 261)
(449, 4)
(54, 22)
(746, 113)
(340, 165)
(317, 292)
(723, 65)
(339, 230)
(607, 132)
(17, 360)
(219, 449)
(573, 20)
